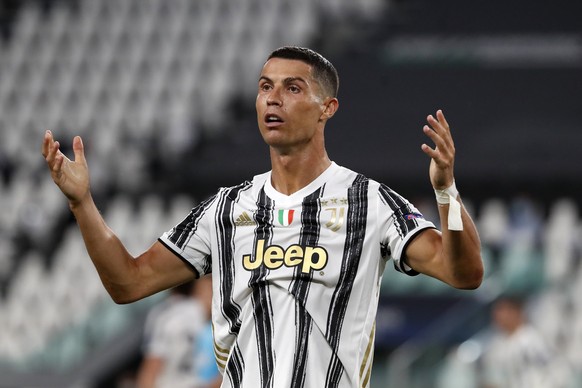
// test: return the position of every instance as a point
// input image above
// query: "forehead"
(281, 68)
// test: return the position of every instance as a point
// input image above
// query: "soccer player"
(296, 254)
(518, 354)
(178, 346)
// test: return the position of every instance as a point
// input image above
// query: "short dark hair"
(323, 70)
(515, 300)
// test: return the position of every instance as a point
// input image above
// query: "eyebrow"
(287, 80)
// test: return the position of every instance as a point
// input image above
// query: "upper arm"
(423, 254)
(426, 254)
(157, 269)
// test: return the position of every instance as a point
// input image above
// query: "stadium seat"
(561, 240)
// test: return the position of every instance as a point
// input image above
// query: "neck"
(291, 173)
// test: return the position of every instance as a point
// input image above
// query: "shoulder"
(252, 185)
(346, 177)
(378, 191)
(353, 178)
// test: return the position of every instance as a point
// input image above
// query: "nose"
(274, 97)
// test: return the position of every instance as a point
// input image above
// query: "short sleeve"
(190, 239)
(402, 221)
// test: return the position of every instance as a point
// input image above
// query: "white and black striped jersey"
(296, 278)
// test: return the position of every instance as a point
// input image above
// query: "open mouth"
(273, 119)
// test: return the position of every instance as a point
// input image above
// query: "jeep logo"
(274, 257)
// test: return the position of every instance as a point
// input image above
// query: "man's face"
(289, 104)
(507, 317)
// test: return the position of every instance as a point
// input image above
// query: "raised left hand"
(443, 154)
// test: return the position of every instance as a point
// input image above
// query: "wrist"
(79, 204)
(449, 197)
(443, 196)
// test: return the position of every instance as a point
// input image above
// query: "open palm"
(72, 177)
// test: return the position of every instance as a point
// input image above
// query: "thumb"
(79, 150)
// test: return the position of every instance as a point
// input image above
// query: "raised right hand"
(72, 177)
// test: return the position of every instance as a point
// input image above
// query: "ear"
(330, 105)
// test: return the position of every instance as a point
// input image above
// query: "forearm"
(454, 255)
(461, 250)
(126, 278)
(115, 265)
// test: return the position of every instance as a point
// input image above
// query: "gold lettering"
(309, 264)
(273, 257)
(293, 255)
(248, 262)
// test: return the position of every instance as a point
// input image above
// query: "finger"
(442, 148)
(431, 152)
(435, 124)
(441, 118)
(58, 163)
(434, 136)
(448, 135)
(440, 132)
(46, 142)
(79, 149)
(53, 150)
(435, 156)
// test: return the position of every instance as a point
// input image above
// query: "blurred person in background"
(176, 294)
(518, 355)
(178, 349)
(297, 254)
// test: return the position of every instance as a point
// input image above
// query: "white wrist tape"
(449, 196)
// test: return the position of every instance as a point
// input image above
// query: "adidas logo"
(244, 220)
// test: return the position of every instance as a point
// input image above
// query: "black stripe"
(309, 236)
(225, 240)
(235, 368)
(225, 235)
(400, 207)
(262, 309)
(355, 233)
(224, 232)
(181, 233)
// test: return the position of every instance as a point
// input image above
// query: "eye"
(265, 87)
(294, 89)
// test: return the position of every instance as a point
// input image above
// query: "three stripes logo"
(244, 220)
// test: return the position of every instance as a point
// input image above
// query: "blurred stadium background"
(162, 92)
